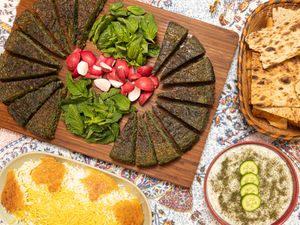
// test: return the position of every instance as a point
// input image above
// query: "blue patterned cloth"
(171, 204)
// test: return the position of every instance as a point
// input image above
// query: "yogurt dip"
(275, 188)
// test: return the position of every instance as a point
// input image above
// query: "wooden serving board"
(220, 45)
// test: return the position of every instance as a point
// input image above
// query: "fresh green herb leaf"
(134, 48)
(136, 10)
(149, 27)
(153, 50)
(73, 120)
(116, 6)
(122, 102)
(109, 94)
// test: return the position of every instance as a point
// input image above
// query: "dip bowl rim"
(288, 162)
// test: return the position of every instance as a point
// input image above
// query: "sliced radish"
(83, 68)
(101, 59)
(75, 73)
(110, 61)
(88, 57)
(128, 87)
(91, 76)
(112, 75)
(145, 96)
(121, 73)
(102, 84)
(106, 68)
(145, 71)
(115, 83)
(123, 92)
(73, 60)
(134, 76)
(95, 70)
(135, 94)
(77, 50)
(145, 84)
(155, 81)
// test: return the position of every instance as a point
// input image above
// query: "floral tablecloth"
(171, 204)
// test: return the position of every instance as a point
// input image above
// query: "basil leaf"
(153, 50)
(79, 88)
(96, 24)
(119, 12)
(134, 48)
(120, 31)
(116, 6)
(136, 10)
(122, 102)
(73, 120)
(109, 94)
(149, 27)
(105, 21)
(141, 59)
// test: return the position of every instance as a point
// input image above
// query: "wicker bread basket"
(256, 21)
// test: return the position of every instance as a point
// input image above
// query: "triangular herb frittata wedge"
(196, 72)
(174, 36)
(124, 147)
(44, 122)
(190, 49)
(88, 10)
(203, 94)
(165, 148)
(184, 137)
(67, 11)
(10, 91)
(193, 115)
(23, 108)
(21, 44)
(46, 11)
(15, 68)
(34, 28)
(144, 150)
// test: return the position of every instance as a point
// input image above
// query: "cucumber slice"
(248, 166)
(249, 189)
(251, 202)
(249, 178)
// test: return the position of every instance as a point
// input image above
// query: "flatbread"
(277, 86)
(274, 120)
(280, 14)
(278, 43)
(292, 114)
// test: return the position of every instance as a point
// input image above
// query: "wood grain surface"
(220, 45)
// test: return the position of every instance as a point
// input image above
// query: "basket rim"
(242, 43)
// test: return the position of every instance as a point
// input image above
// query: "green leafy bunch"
(91, 116)
(126, 33)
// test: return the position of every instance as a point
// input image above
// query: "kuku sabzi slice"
(20, 44)
(10, 91)
(46, 12)
(88, 10)
(174, 36)
(144, 150)
(68, 14)
(190, 49)
(44, 122)
(195, 116)
(165, 148)
(15, 68)
(184, 137)
(203, 94)
(34, 28)
(124, 147)
(23, 108)
(195, 72)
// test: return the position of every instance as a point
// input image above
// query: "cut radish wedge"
(155, 81)
(106, 68)
(115, 83)
(128, 87)
(134, 76)
(112, 75)
(73, 60)
(77, 50)
(145, 84)
(101, 59)
(102, 84)
(83, 68)
(95, 70)
(88, 57)
(75, 73)
(91, 76)
(145, 71)
(110, 61)
(145, 96)
(134, 95)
